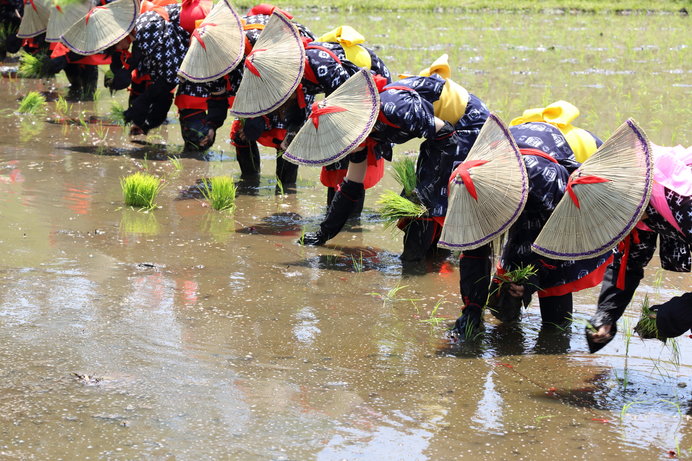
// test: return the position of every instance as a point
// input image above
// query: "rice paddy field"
(183, 332)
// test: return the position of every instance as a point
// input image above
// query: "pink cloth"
(671, 170)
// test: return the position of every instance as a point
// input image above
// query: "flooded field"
(185, 333)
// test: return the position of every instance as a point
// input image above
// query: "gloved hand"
(118, 80)
(469, 324)
(253, 128)
(312, 239)
(54, 65)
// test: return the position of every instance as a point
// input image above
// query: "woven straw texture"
(337, 124)
(216, 46)
(102, 27)
(62, 17)
(35, 19)
(501, 186)
(279, 58)
(609, 205)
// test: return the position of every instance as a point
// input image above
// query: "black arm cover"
(612, 301)
(674, 317)
(254, 127)
(475, 267)
(147, 109)
(217, 111)
(435, 162)
(55, 65)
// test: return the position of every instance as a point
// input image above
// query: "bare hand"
(135, 130)
(602, 335)
(515, 290)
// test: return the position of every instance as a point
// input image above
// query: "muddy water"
(188, 334)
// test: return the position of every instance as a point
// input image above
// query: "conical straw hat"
(273, 69)
(338, 124)
(102, 27)
(216, 46)
(62, 17)
(35, 18)
(605, 198)
(485, 204)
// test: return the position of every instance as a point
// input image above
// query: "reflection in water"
(138, 222)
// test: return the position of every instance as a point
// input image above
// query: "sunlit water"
(189, 334)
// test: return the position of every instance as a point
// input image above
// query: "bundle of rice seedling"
(220, 192)
(117, 113)
(31, 65)
(31, 103)
(62, 107)
(338, 124)
(394, 207)
(405, 174)
(604, 200)
(646, 326)
(140, 190)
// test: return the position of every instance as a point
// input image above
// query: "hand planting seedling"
(395, 207)
(646, 326)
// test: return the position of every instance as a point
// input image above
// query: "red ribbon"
(582, 180)
(57, 7)
(380, 82)
(250, 65)
(624, 248)
(463, 171)
(198, 37)
(30, 2)
(91, 11)
(318, 111)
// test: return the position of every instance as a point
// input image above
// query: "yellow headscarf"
(454, 98)
(349, 38)
(561, 114)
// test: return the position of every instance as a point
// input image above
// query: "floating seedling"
(405, 174)
(434, 319)
(31, 66)
(394, 207)
(140, 190)
(220, 192)
(31, 103)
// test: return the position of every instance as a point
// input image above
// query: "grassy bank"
(534, 6)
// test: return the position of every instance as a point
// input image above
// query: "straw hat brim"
(216, 47)
(501, 186)
(349, 115)
(279, 58)
(609, 206)
(103, 28)
(62, 18)
(34, 20)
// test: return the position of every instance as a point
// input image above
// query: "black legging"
(556, 310)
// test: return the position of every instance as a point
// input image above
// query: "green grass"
(576, 6)
(394, 207)
(31, 66)
(220, 192)
(32, 103)
(404, 172)
(140, 190)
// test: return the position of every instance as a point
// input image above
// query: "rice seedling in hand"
(117, 113)
(646, 326)
(31, 103)
(31, 66)
(519, 276)
(405, 174)
(140, 190)
(220, 192)
(394, 207)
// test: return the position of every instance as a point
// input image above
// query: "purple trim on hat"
(32, 35)
(632, 222)
(111, 43)
(517, 211)
(296, 81)
(233, 65)
(372, 118)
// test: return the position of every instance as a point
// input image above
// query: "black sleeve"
(217, 111)
(435, 162)
(674, 317)
(475, 267)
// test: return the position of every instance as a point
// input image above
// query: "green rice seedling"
(391, 296)
(520, 275)
(646, 326)
(62, 107)
(30, 65)
(117, 113)
(394, 207)
(434, 319)
(177, 163)
(357, 263)
(140, 190)
(220, 192)
(405, 174)
(279, 186)
(32, 103)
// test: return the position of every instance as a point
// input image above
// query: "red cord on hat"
(463, 171)
(318, 111)
(582, 180)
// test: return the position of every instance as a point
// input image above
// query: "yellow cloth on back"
(454, 98)
(561, 114)
(349, 38)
